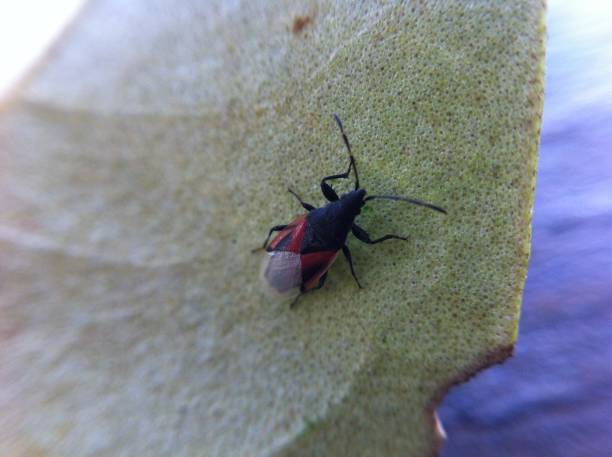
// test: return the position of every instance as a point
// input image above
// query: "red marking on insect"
(301, 254)
(290, 238)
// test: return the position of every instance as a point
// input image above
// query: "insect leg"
(276, 228)
(347, 254)
(306, 206)
(363, 236)
(329, 193)
(318, 286)
(292, 304)
(321, 282)
(348, 148)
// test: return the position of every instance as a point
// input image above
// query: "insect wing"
(282, 274)
(290, 238)
(314, 266)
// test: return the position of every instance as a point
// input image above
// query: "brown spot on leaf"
(299, 22)
(494, 357)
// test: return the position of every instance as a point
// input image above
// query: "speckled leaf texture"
(151, 150)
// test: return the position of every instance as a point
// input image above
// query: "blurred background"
(27, 28)
(554, 398)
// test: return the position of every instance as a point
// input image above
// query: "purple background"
(554, 397)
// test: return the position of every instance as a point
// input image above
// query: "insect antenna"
(348, 147)
(405, 199)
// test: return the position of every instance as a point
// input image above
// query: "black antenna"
(405, 199)
(348, 146)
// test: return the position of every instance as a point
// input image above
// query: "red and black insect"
(300, 256)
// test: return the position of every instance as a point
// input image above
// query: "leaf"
(150, 153)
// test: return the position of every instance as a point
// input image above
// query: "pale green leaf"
(151, 151)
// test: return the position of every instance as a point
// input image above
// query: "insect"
(300, 255)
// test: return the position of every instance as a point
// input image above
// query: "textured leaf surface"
(151, 151)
